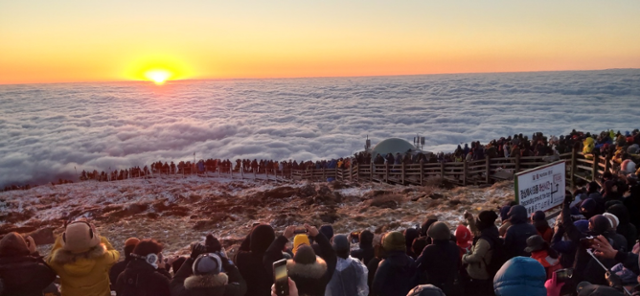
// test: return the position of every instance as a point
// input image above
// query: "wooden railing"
(476, 172)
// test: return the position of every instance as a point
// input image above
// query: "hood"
(13, 244)
(463, 236)
(342, 263)
(314, 270)
(78, 263)
(261, 238)
(504, 212)
(621, 212)
(327, 230)
(18, 270)
(206, 281)
(518, 214)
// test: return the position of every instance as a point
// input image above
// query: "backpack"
(498, 258)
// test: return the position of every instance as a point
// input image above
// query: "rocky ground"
(179, 211)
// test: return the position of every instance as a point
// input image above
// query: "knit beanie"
(80, 236)
(486, 219)
(13, 244)
(212, 244)
(208, 263)
(394, 241)
(327, 230)
(341, 243)
(464, 237)
(613, 220)
(129, 245)
(305, 255)
(439, 231)
(299, 241)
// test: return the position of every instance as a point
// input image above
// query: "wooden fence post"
(351, 172)
(517, 162)
(487, 179)
(442, 170)
(324, 175)
(402, 173)
(421, 172)
(574, 155)
(594, 165)
(464, 173)
(607, 163)
(386, 172)
(371, 167)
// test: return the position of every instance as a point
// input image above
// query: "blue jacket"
(520, 276)
(515, 241)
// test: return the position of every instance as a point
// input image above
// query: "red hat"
(463, 237)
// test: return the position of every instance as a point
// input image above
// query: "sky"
(43, 41)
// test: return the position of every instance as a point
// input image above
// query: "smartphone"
(300, 230)
(281, 277)
(564, 275)
(587, 242)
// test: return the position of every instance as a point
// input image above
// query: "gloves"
(197, 250)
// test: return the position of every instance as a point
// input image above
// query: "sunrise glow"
(158, 76)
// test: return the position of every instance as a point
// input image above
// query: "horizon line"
(307, 77)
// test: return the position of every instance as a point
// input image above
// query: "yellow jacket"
(84, 274)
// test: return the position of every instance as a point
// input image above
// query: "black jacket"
(116, 270)
(24, 276)
(396, 275)
(141, 279)
(251, 267)
(229, 283)
(364, 254)
(311, 279)
(441, 262)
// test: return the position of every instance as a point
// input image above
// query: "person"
(410, 234)
(515, 240)
(146, 273)
(520, 276)
(210, 274)
(539, 221)
(464, 239)
(82, 259)
(249, 260)
(366, 252)
(481, 253)
(541, 252)
(119, 267)
(397, 273)
(441, 259)
(350, 277)
(624, 228)
(310, 272)
(426, 290)
(22, 270)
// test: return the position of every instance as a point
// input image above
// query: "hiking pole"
(606, 269)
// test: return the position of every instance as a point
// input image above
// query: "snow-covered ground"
(178, 211)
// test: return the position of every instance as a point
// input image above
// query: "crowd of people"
(591, 249)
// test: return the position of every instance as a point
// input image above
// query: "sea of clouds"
(47, 131)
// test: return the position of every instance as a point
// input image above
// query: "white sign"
(542, 188)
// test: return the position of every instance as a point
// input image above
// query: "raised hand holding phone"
(281, 278)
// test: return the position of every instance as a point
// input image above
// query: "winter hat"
(526, 271)
(341, 243)
(504, 212)
(426, 290)
(327, 230)
(599, 224)
(305, 255)
(299, 241)
(613, 220)
(129, 245)
(463, 237)
(621, 212)
(13, 244)
(582, 225)
(538, 216)
(212, 244)
(261, 238)
(439, 231)
(366, 239)
(208, 263)
(394, 241)
(585, 288)
(535, 243)
(80, 236)
(588, 206)
(486, 219)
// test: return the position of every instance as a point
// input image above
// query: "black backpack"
(499, 256)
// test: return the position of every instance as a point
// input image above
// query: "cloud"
(47, 130)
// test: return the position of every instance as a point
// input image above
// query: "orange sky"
(72, 40)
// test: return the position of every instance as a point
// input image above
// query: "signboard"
(542, 188)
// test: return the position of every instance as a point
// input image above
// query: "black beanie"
(305, 255)
(213, 244)
(486, 219)
(261, 238)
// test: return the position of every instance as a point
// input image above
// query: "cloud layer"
(47, 130)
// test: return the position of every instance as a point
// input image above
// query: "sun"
(158, 76)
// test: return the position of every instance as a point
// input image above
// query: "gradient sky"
(85, 40)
